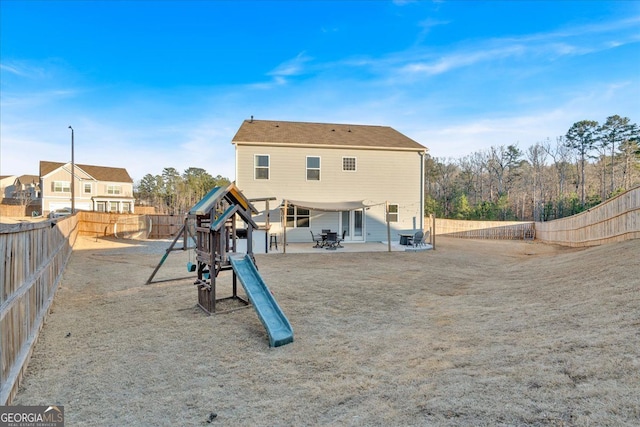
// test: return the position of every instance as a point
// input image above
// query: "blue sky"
(154, 84)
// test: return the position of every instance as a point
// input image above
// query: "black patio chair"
(426, 238)
(341, 239)
(416, 240)
(317, 238)
(332, 240)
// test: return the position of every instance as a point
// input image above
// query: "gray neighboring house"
(332, 176)
(96, 188)
(20, 190)
(7, 183)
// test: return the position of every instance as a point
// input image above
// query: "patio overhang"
(328, 206)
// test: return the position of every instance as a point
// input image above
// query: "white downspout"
(422, 154)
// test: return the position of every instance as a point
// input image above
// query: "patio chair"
(426, 238)
(332, 240)
(416, 240)
(341, 239)
(317, 238)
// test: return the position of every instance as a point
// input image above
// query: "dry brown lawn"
(476, 333)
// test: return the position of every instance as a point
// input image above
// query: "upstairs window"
(313, 168)
(261, 164)
(87, 188)
(348, 164)
(61, 187)
(393, 213)
(114, 189)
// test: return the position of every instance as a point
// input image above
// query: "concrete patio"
(299, 248)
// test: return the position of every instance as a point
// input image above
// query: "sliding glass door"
(352, 224)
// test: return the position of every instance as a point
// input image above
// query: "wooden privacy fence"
(100, 224)
(506, 230)
(103, 224)
(19, 210)
(615, 220)
(33, 257)
(165, 226)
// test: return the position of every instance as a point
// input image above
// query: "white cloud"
(292, 67)
(575, 41)
(458, 60)
(22, 69)
(11, 69)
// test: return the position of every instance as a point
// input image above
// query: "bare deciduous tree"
(581, 138)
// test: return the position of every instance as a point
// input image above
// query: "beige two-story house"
(337, 177)
(96, 188)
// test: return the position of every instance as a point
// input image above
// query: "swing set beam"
(184, 233)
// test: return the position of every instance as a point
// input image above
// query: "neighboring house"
(96, 188)
(24, 189)
(6, 185)
(332, 176)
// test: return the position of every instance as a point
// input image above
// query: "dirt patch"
(474, 333)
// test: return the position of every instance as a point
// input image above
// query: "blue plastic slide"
(271, 316)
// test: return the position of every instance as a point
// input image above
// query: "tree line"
(172, 193)
(591, 163)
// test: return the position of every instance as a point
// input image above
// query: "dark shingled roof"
(323, 134)
(100, 173)
(29, 179)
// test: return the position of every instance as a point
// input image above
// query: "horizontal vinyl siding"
(380, 176)
(59, 175)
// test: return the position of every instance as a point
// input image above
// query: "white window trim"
(84, 188)
(355, 163)
(255, 167)
(307, 168)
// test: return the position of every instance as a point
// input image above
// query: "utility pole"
(73, 177)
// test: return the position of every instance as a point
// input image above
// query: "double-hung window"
(61, 187)
(114, 189)
(297, 217)
(313, 168)
(261, 166)
(393, 213)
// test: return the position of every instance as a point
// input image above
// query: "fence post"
(433, 233)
